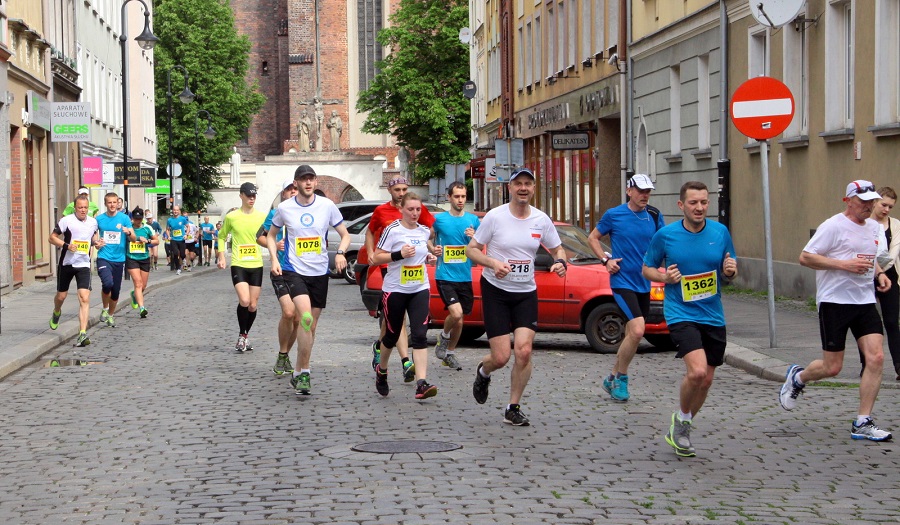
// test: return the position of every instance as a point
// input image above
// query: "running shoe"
(425, 390)
(440, 351)
(247, 346)
(283, 364)
(376, 353)
(178, 271)
(83, 339)
(869, 431)
(790, 390)
(241, 345)
(409, 372)
(514, 416)
(480, 387)
(301, 384)
(144, 313)
(617, 388)
(381, 384)
(451, 361)
(679, 437)
(134, 304)
(54, 320)
(190, 268)
(108, 319)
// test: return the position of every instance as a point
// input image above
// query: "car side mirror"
(543, 261)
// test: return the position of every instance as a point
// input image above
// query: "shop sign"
(38, 109)
(571, 141)
(70, 122)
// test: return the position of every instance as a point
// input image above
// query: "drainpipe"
(724, 164)
(623, 85)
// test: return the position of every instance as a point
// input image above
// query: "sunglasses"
(862, 189)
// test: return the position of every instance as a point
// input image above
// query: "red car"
(581, 302)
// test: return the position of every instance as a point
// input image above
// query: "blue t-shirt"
(629, 234)
(268, 224)
(699, 256)
(156, 227)
(207, 229)
(177, 225)
(450, 231)
(116, 239)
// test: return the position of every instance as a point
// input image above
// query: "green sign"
(162, 186)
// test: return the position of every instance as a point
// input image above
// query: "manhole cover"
(410, 446)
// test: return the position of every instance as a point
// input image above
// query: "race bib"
(137, 247)
(308, 246)
(869, 257)
(248, 252)
(520, 270)
(176, 233)
(455, 254)
(698, 286)
(111, 237)
(412, 274)
(82, 246)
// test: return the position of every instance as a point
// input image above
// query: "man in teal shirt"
(175, 227)
(115, 231)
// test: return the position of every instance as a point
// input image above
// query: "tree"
(200, 35)
(417, 93)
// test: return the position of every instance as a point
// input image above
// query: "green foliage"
(417, 93)
(200, 35)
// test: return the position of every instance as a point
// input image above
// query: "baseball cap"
(137, 213)
(641, 182)
(521, 171)
(248, 189)
(148, 215)
(287, 184)
(304, 169)
(84, 191)
(863, 189)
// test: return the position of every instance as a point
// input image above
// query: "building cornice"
(679, 31)
(20, 75)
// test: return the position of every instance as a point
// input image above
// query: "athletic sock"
(251, 316)
(242, 312)
(684, 417)
(860, 419)
(404, 361)
(445, 335)
(620, 375)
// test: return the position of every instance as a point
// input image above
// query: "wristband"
(397, 256)
(562, 262)
(604, 260)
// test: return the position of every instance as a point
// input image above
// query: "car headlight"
(657, 292)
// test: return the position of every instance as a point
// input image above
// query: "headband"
(394, 182)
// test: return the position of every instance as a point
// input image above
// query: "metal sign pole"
(767, 221)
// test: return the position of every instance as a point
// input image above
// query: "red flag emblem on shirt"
(535, 235)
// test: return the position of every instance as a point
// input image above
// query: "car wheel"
(470, 333)
(662, 342)
(605, 328)
(349, 272)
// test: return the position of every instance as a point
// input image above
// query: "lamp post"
(146, 40)
(209, 134)
(186, 97)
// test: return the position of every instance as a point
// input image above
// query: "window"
(561, 37)
(887, 62)
(675, 110)
(529, 54)
(703, 102)
(598, 25)
(839, 65)
(612, 32)
(796, 76)
(369, 23)
(538, 49)
(758, 49)
(551, 43)
(586, 25)
(571, 34)
(520, 58)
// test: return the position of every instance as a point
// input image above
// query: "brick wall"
(17, 206)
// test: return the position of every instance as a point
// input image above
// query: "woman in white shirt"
(405, 247)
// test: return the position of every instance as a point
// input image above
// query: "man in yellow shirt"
(246, 260)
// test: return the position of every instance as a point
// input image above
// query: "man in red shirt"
(381, 218)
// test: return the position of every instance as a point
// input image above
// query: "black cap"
(304, 169)
(137, 213)
(248, 189)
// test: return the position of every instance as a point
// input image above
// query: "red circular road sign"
(762, 108)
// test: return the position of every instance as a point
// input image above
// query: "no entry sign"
(762, 108)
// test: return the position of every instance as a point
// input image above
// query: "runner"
(191, 233)
(114, 226)
(75, 234)
(512, 232)
(289, 322)
(93, 209)
(246, 260)
(843, 253)
(216, 240)
(175, 226)
(698, 255)
(382, 216)
(630, 227)
(154, 248)
(890, 300)
(405, 247)
(208, 231)
(305, 219)
(453, 276)
(137, 260)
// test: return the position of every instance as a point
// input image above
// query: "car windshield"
(359, 225)
(575, 242)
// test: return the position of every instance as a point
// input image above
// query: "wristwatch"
(604, 260)
(340, 252)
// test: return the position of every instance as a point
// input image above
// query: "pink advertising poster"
(92, 170)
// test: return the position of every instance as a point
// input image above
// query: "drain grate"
(408, 446)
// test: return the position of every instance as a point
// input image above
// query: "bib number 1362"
(698, 286)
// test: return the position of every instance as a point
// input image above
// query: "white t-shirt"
(406, 275)
(515, 241)
(305, 245)
(841, 238)
(78, 233)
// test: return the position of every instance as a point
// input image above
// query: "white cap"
(84, 191)
(863, 189)
(641, 182)
(288, 183)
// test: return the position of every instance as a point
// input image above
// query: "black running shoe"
(381, 384)
(514, 416)
(480, 387)
(425, 390)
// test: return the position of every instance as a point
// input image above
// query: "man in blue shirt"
(453, 276)
(630, 227)
(700, 259)
(175, 227)
(114, 229)
(208, 229)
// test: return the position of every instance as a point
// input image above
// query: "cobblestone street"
(168, 425)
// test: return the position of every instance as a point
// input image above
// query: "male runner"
(175, 227)
(698, 255)
(842, 251)
(157, 229)
(75, 234)
(453, 276)
(381, 217)
(208, 230)
(115, 227)
(191, 232)
(513, 233)
(630, 227)
(93, 209)
(246, 260)
(306, 219)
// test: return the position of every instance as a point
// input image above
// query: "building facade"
(5, 171)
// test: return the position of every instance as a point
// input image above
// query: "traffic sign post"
(762, 108)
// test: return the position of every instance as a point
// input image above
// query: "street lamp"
(146, 40)
(209, 133)
(186, 97)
